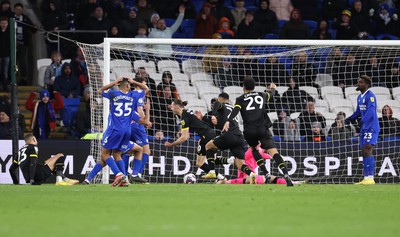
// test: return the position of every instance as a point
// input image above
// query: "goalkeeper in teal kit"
(369, 127)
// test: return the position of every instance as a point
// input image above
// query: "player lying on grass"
(243, 178)
(35, 173)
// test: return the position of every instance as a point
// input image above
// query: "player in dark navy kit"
(232, 139)
(369, 127)
(256, 125)
(34, 172)
(190, 121)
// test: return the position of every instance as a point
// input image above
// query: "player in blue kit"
(369, 127)
(116, 138)
(139, 137)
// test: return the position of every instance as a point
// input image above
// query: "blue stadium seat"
(313, 25)
(169, 21)
(281, 23)
(198, 4)
(69, 111)
(333, 33)
(386, 37)
(271, 36)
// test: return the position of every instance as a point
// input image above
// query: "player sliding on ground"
(256, 125)
(116, 138)
(35, 173)
(369, 127)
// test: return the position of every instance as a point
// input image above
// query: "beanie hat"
(44, 93)
(133, 9)
(346, 12)
(384, 6)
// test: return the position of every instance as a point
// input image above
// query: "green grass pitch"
(200, 210)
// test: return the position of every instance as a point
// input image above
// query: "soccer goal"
(315, 76)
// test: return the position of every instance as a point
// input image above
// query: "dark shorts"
(234, 142)
(42, 173)
(201, 149)
(263, 136)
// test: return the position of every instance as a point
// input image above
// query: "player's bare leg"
(56, 163)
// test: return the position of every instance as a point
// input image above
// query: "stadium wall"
(318, 162)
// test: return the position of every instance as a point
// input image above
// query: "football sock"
(221, 161)
(59, 167)
(113, 166)
(205, 167)
(245, 169)
(210, 158)
(121, 166)
(369, 166)
(136, 166)
(96, 169)
(145, 159)
(281, 163)
(260, 161)
(125, 158)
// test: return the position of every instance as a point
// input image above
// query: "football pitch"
(200, 210)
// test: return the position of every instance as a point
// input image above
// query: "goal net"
(316, 89)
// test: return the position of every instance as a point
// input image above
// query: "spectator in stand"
(308, 8)
(322, 32)
(219, 10)
(349, 73)
(350, 127)
(153, 21)
(292, 131)
(83, 116)
(142, 48)
(150, 82)
(267, 18)
(190, 10)
(79, 68)
(6, 125)
(238, 13)
(211, 64)
(346, 29)
(85, 10)
(225, 75)
(316, 134)
(162, 31)
(273, 71)
(224, 29)
(385, 21)
(275, 102)
(307, 117)
(336, 61)
(5, 9)
(361, 19)
(249, 28)
(331, 9)
(392, 75)
(164, 119)
(278, 126)
(295, 98)
(390, 126)
(245, 66)
(131, 24)
(5, 52)
(22, 35)
(98, 22)
(303, 70)
(115, 10)
(338, 130)
(145, 11)
(52, 71)
(167, 81)
(44, 113)
(115, 31)
(282, 8)
(373, 69)
(54, 20)
(206, 23)
(67, 84)
(295, 28)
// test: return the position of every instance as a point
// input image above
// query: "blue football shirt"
(366, 108)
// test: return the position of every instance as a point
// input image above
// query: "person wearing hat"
(249, 28)
(345, 28)
(385, 21)
(369, 126)
(295, 28)
(130, 24)
(43, 112)
(206, 23)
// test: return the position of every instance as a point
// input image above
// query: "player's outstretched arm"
(108, 86)
(182, 138)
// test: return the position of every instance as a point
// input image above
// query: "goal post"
(327, 70)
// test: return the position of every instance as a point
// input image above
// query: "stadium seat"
(260, 88)
(156, 76)
(69, 111)
(294, 115)
(119, 74)
(353, 99)
(271, 36)
(201, 77)
(351, 90)
(324, 80)
(281, 23)
(331, 90)
(178, 77)
(281, 89)
(169, 21)
(273, 116)
(121, 65)
(197, 105)
(207, 89)
(382, 92)
(233, 89)
(191, 66)
(208, 97)
(312, 25)
(386, 37)
(150, 66)
(168, 65)
(333, 33)
(189, 95)
(310, 90)
(43, 62)
(40, 76)
(321, 106)
(394, 104)
(341, 105)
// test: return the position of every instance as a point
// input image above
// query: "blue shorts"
(116, 140)
(138, 134)
(367, 137)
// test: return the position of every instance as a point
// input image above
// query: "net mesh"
(319, 79)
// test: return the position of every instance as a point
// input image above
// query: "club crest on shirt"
(183, 122)
(372, 99)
